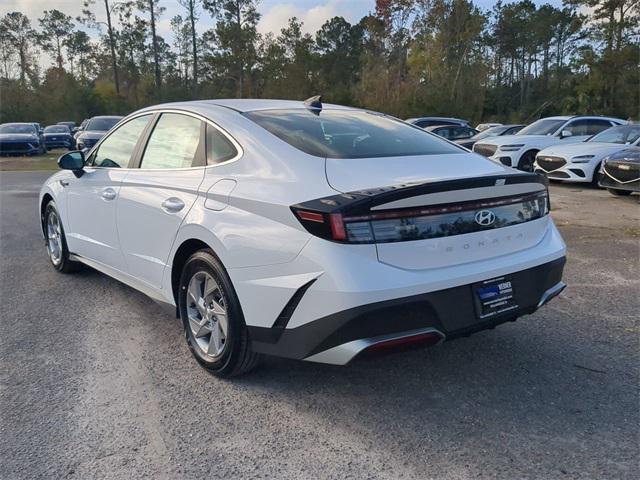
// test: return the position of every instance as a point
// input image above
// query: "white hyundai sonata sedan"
(303, 230)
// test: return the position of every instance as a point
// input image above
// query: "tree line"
(515, 62)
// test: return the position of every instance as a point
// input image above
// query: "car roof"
(246, 104)
(451, 119)
(107, 116)
(19, 123)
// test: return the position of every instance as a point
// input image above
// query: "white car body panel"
(241, 209)
(347, 175)
(569, 152)
(91, 215)
(146, 228)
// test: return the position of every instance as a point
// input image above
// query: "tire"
(619, 193)
(597, 176)
(56, 241)
(225, 354)
(526, 161)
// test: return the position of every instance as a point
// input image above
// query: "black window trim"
(136, 157)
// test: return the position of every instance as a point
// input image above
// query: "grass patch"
(48, 161)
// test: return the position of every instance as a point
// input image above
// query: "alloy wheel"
(207, 314)
(54, 238)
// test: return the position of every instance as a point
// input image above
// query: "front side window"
(174, 142)
(116, 150)
(349, 134)
(587, 127)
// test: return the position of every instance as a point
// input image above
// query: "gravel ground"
(96, 380)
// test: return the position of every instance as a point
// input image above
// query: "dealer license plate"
(495, 296)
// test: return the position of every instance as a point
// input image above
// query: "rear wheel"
(526, 161)
(56, 241)
(619, 193)
(212, 318)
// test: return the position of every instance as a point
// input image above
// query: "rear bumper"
(444, 314)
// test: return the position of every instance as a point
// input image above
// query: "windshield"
(349, 134)
(17, 128)
(626, 134)
(542, 127)
(102, 124)
(56, 129)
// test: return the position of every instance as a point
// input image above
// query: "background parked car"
(520, 150)
(58, 136)
(495, 131)
(621, 172)
(580, 162)
(20, 139)
(95, 129)
(71, 125)
(424, 122)
(38, 127)
(453, 132)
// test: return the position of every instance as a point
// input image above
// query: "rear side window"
(349, 134)
(117, 148)
(174, 142)
(219, 148)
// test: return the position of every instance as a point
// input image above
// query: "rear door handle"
(173, 205)
(108, 194)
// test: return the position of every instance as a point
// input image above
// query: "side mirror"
(566, 133)
(73, 161)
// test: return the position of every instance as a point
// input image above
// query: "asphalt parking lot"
(96, 380)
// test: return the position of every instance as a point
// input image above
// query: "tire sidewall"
(207, 262)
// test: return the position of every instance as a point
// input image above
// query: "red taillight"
(311, 216)
(337, 226)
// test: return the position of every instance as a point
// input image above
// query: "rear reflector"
(427, 339)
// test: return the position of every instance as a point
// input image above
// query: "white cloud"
(277, 17)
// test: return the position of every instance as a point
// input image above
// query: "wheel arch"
(44, 201)
(533, 150)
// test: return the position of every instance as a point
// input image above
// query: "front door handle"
(173, 205)
(108, 194)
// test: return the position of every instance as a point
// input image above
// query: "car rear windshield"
(102, 124)
(17, 128)
(57, 129)
(349, 134)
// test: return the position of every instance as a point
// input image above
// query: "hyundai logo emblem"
(485, 218)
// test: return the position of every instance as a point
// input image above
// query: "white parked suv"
(580, 162)
(520, 150)
(303, 230)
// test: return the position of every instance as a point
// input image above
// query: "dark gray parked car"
(20, 139)
(58, 136)
(94, 130)
(424, 122)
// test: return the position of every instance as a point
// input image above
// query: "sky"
(274, 13)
